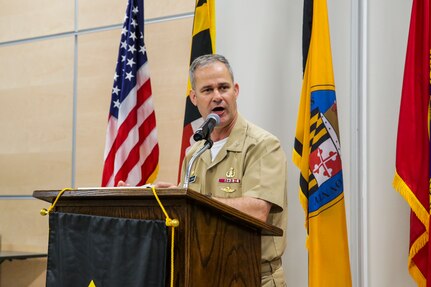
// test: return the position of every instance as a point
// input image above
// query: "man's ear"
(192, 96)
(236, 90)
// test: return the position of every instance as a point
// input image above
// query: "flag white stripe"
(133, 137)
(111, 133)
(129, 103)
(145, 149)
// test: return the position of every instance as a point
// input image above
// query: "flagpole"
(358, 151)
(363, 140)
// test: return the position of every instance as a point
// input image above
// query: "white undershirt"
(217, 147)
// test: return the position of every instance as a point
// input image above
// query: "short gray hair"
(205, 60)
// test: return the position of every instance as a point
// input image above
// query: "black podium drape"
(101, 251)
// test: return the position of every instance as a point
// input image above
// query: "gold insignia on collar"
(228, 189)
(230, 173)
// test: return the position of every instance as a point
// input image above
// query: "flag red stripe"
(133, 158)
(109, 159)
(149, 165)
(129, 123)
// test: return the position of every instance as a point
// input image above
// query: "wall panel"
(100, 13)
(96, 65)
(29, 232)
(36, 87)
(20, 19)
(168, 45)
(23, 273)
(157, 8)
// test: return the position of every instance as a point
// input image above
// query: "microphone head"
(215, 117)
(207, 127)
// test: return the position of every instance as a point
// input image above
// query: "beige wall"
(50, 61)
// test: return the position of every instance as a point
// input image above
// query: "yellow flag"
(317, 155)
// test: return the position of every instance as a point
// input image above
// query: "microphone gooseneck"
(208, 144)
(202, 133)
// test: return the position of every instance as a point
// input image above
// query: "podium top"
(135, 193)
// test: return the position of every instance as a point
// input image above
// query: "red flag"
(131, 150)
(412, 178)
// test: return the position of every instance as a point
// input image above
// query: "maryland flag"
(412, 177)
(100, 251)
(203, 42)
(317, 155)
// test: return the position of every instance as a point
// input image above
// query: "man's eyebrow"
(206, 87)
(223, 84)
(218, 85)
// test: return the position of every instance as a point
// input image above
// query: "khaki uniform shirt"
(251, 163)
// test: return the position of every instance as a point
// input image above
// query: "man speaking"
(245, 167)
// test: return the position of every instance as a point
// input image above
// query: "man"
(246, 166)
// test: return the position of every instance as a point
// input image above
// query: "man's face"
(216, 93)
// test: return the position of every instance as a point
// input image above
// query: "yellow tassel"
(171, 223)
(417, 275)
(45, 211)
(411, 199)
(424, 216)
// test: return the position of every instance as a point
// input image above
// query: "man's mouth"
(218, 109)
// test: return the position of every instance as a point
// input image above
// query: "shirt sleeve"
(265, 173)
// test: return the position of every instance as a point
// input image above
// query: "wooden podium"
(215, 245)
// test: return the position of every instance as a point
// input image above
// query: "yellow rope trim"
(172, 223)
(418, 244)
(422, 214)
(413, 269)
(412, 200)
(416, 274)
(414, 249)
(45, 211)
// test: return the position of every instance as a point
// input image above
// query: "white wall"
(263, 41)
(388, 212)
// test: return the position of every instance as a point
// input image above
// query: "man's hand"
(122, 184)
(160, 184)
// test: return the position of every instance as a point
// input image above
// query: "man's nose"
(217, 95)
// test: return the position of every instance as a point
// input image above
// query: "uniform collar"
(235, 142)
(237, 136)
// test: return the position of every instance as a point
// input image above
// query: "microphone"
(204, 131)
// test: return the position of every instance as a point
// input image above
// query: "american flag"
(131, 149)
